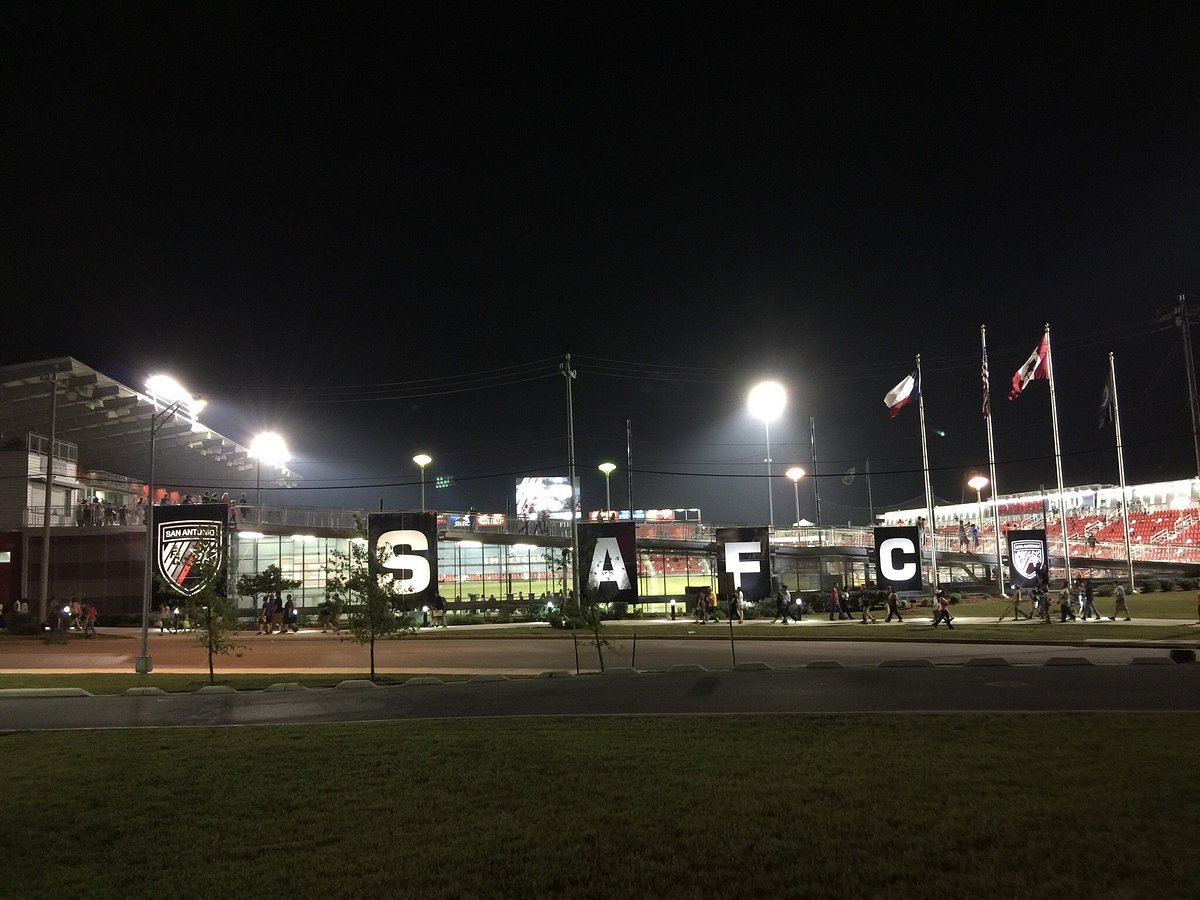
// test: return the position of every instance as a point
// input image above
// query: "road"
(958, 689)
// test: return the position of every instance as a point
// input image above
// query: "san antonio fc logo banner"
(189, 547)
(1026, 549)
(608, 560)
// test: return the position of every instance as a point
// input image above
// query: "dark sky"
(328, 218)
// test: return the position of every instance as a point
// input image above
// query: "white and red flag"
(902, 394)
(1036, 368)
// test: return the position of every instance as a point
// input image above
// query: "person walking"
(1121, 608)
(864, 600)
(835, 604)
(943, 610)
(893, 605)
(798, 615)
(975, 537)
(1017, 612)
(1064, 604)
(1089, 601)
(781, 610)
(290, 619)
(962, 535)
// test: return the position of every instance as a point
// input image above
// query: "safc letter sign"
(189, 549)
(404, 546)
(898, 557)
(1026, 550)
(608, 561)
(744, 554)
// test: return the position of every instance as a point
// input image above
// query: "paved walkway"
(463, 649)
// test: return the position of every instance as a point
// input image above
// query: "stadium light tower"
(767, 400)
(796, 473)
(422, 460)
(268, 447)
(979, 482)
(607, 468)
(175, 401)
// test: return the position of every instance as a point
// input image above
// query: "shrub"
(1188, 584)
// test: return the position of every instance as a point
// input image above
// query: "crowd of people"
(94, 512)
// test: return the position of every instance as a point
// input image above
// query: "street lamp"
(169, 391)
(766, 401)
(607, 468)
(268, 447)
(796, 473)
(422, 460)
(979, 482)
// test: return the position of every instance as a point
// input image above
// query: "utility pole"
(569, 375)
(43, 604)
(1184, 321)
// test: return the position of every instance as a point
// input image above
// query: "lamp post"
(766, 402)
(422, 460)
(268, 447)
(607, 468)
(161, 387)
(979, 482)
(796, 473)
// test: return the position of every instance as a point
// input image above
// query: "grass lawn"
(899, 806)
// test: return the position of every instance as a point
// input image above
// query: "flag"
(987, 390)
(1108, 404)
(902, 394)
(1037, 367)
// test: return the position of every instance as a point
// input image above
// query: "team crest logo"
(185, 549)
(1026, 555)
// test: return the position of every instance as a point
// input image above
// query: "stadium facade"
(98, 493)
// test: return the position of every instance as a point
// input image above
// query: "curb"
(284, 686)
(1067, 661)
(56, 692)
(216, 689)
(752, 667)
(1150, 661)
(356, 684)
(490, 677)
(687, 667)
(904, 664)
(422, 680)
(622, 670)
(988, 661)
(555, 673)
(824, 664)
(140, 692)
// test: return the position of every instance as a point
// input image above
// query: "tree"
(265, 583)
(370, 601)
(590, 614)
(215, 615)
(559, 561)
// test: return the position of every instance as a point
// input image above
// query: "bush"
(464, 619)
(1104, 590)
(1188, 584)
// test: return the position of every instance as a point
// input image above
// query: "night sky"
(378, 229)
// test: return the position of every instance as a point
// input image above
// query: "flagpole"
(1112, 386)
(1062, 500)
(987, 418)
(931, 527)
(870, 499)
(812, 436)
